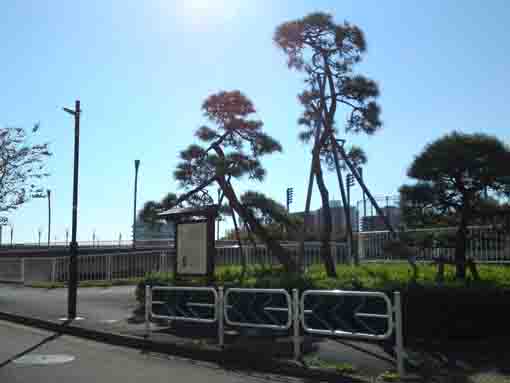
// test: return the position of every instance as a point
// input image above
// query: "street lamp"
(48, 194)
(39, 232)
(137, 165)
(73, 261)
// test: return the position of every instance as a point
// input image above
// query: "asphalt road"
(101, 305)
(97, 362)
(106, 309)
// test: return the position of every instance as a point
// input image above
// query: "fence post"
(295, 324)
(148, 307)
(109, 267)
(53, 269)
(360, 246)
(399, 349)
(23, 270)
(161, 262)
(220, 308)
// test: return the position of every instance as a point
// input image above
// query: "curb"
(246, 360)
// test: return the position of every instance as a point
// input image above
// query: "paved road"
(94, 304)
(97, 362)
(107, 308)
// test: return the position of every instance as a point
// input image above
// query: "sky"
(143, 68)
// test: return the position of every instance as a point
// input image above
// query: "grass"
(84, 284)
(341, 368)
(372, 276)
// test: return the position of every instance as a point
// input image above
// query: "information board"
(192, 248)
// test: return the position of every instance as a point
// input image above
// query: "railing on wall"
(485, 244)
(276, 309)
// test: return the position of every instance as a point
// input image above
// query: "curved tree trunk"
(460, 247)
(326, 229)
(240, 244)
(273, 246)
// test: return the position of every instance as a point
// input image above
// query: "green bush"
(373, 276)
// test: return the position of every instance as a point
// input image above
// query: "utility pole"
(67, 237)
(12, 230)
(219, 215)
(137, 165)
(48, 193)
(350, 183)
(290, 197)
(39, 231)
(94, 238)
(374, 203)
(360, 171)
(73, 261)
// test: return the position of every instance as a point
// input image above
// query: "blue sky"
(142, 70)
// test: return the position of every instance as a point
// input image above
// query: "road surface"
(97, 362)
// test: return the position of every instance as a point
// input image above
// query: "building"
(157, 231)
(314, 223)
(376, 222)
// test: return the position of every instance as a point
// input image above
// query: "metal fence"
(90, 266)
(253, 255)
(140, 244)
(276, 309)
(485, 244)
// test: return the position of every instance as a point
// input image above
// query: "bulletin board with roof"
(194, 240)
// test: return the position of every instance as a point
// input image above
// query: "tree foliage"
(454, 175)
(326, 53)
(230, 150)
(22, 167)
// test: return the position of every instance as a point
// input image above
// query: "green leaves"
(21, 167)
(453, 173)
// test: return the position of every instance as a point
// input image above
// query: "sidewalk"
(110, 310)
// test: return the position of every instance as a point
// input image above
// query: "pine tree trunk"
(460, 249)
(325, 250)
(273, 246)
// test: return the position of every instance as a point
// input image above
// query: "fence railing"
(276, 309)
(140, 244)
(485, 244)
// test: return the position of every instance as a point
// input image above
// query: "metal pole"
(137, 165)
(73, 261)
(399, 349)
(12, 233)
(364, 196)
(220, 308)
(219, 215)
(48, 193)
(295, 324)
(148, 307)
(364, 187)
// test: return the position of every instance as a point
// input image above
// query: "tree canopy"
(22, 167)
(456, 175)
(230, 150)
(326, 52)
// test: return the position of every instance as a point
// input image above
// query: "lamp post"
(137, 165)
(73, 261)
(48, 193)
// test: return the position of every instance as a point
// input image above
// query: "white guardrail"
(261, 306)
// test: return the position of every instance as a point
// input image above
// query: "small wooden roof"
(177, 213)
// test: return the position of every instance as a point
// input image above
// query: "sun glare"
(206, 13)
